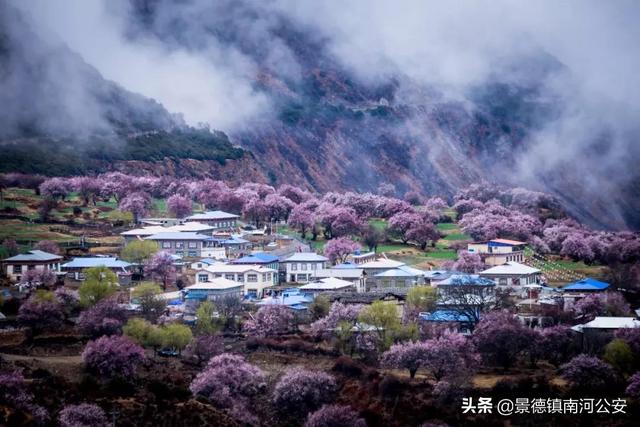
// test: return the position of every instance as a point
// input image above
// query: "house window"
(314, 266)
(302, 277)
(294, 266)
(31, 267)
(179, 245)
(252, 277)
(199, 265)
(17, 268)
(193, 254)
(230, 276)
(203, 277)
(264, 277)
(166, 245)
(303, 266)
(193, 245)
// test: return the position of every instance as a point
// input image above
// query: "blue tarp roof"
(109, 262)
(256, 259)
(587, 284)
(444, 316)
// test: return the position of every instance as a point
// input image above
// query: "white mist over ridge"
(211, 61)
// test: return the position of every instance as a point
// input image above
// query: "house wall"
(501, 258)
(253, 282)
(302, 272)
(382, 283)
(513, 280)
(15, 270)
(188, 248)
(218, 224)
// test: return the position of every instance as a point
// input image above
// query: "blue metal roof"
(256, 259)
(466, 280)
(109, 262)
(444, 316)
(266, 257)
(345, 265)
(234, 241)
(587, 284)
(34, 255)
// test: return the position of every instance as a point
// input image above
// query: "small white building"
(254, 278)
(220, 220)
(513, 274)
(16, 266)
(353, 275)
(187, 227)
(204, 263)
(598, 332)
(403, 277)
(329, 284)
(218, 287)
(300, 266)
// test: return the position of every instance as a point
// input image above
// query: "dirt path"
(66, 360)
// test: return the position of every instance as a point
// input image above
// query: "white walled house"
(254, 278)
(220, 220)
(16, 266)
(214, 289)
(187, 244)
(300, 267)
(513, 274)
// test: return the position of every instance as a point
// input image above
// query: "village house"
(347, 272)
(235, 246)
(254, 278)
(433, 276)
(75, 268)
(260, 258)
(192, 245)
(218, 219)
(300, 267)
(329, 284)
(498, 251)
(216, 288)
(203, 263)
(575, 291)
(291, 298)
(164, 221)
(143, 232)
(594, 335)
(402, 277)
(468, 294)
(451, 320)
(15, 266)
(371, 268)
(361, 258)
(513, 274)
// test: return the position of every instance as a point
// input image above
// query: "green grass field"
(447, 226)
(378, 224)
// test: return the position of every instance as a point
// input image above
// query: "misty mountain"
(64, 118)
(332, 129)
(316, 105)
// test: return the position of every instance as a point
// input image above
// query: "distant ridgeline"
(74, 155)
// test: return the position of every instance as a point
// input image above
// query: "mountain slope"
(62, 117)
(328, 128)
